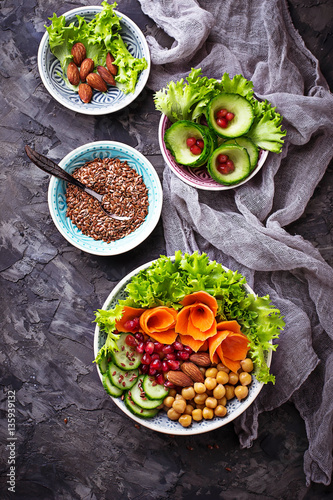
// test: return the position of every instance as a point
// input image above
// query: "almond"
(179, 378)
(106, 75)
(79, 53)
(96, 82)
(201, 359)
(85, 92)
(87, 66)
(73, 74)
(109, 64)
(192, 371)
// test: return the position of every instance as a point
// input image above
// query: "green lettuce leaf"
(266, 130)
(237, 85)
(106, 320)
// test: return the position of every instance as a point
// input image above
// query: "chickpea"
(173, 414)
(172, 393)
(219, 391)
(199, 387)
(185, 420)
(189, 409)
(245, 378)
(233, 378)
(220, 411)
(210, 383)
(211, 372)
(222, 368)
(200, 407)
(188, 393)
(229, 391)
(200, 398)
(222, 377)
(207, 413)
(179, 405)
(247, 365)
(202, 369)
(197, 414)
(241, 391)
(222, 401)
(168, 401)
(179, 397)
(209, 392)
(211, 402)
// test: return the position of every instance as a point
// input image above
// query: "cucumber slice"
(251, 148)
(236, 104)
(139, 397)
(103, 364)
(110, 388)
(121, 378)
(138, 410)
(241, 161)
(175, 139)
(154, 390)
(127, 358)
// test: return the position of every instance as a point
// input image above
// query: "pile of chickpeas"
(204, 401)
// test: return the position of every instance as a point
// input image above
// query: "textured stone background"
(49, 291)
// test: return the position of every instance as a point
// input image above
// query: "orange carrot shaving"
(166, 337)
(231, 348)
(129, 313)
(158, 320)
(196, 320)
(196, 345)
(203, 298)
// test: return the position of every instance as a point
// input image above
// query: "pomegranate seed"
(230, 165)
(144, 369)
(222, 158)
(159, 379)
(169, 384)
(165, 367)
(183, 355)
(224, 168)
(158, 347)
(195, 150)
(230, 116)
(139, 336)
(155, 356)
(222, 122)
(188, 349)
(149, 347)
(131, 341)
(146, 359)
(152, 371)
(156, 364)
(190, 141)
(178, 346)
(140, 348)
(167, 349)
(173, 364)
(200, 143)
(222, 113)
(170, 356)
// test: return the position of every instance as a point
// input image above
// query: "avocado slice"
(251, 148)
(236, 104)
(240, 158)
(175, 138)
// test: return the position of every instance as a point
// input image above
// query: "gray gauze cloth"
(243, 228)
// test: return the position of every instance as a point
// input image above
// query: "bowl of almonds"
(93, 59)
(131, 198)
(179, 344)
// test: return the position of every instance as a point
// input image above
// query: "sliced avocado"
(175, 139)
(241, 161)
(236, 104)
(251, 148)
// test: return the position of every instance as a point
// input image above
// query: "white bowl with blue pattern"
(161, 422)
(102, 103)
(58, 206)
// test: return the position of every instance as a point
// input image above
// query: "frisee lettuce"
(167, 281)
(100, 36)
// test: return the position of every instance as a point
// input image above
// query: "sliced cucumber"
(103, 364)
(127, 358)
(251, 148)
(110, 388)
(139, 397)
(175, 139)
(121, 378)
(240, 158)
(152, 389)
(138, 410)
(236, 104)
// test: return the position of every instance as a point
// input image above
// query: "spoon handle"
(51, 167)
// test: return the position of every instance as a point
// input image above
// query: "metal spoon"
(52, 168)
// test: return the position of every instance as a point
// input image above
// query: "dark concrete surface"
(72, 441)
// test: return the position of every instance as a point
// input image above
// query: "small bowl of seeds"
(131, 191)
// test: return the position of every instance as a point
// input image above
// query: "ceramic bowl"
(198, 177)
(102, 103)
(58, 206)
(161, 423)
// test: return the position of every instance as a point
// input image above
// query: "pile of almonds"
(203, 389)
(82, 69)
